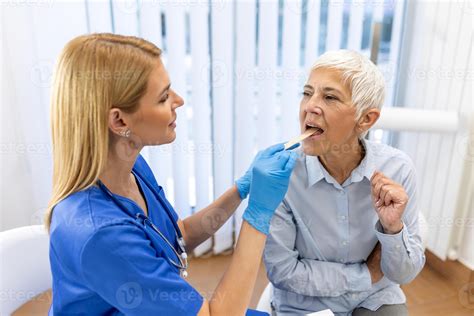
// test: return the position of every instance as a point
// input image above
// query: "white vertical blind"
(176, 53)
(312, 32)
(98, 16)
(125, 17)
(149, 22)
(291, 70)
(266, 70)
(222, 45)
(245, 71)
(390, 67)
(356, 20)
(334, 24)
(201, 112)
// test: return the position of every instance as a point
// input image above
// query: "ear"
(367, 120)
(117, 122)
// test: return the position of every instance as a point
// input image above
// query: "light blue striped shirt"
(323, 232)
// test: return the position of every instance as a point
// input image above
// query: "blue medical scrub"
(104, 262)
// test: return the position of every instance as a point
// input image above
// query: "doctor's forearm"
(232, 295)
(203, 224)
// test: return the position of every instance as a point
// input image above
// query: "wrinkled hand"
(374, 264)
(390, 201)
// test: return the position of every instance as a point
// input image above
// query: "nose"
(178, 100)
(312, 106)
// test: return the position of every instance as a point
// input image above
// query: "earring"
(125, 133)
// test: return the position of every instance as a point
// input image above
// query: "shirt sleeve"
(403, 253)
(287, 271)
(119, 263)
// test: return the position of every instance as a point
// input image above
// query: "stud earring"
(125, 133)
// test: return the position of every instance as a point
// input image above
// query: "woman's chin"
(311, 149)
(168, 139)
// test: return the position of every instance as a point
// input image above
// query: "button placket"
(343, 215)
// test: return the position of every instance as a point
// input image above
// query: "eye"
(165, 97)
(306, 94)
(331, 98)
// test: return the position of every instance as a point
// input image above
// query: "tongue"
(318, 131)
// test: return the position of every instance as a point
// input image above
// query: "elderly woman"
(346, 234)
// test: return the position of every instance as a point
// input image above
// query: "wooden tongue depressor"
(301, 137)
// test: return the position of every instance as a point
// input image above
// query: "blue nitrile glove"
(270, 178)
(243, 183)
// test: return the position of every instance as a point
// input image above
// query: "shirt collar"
(366, 167)
(316, 172)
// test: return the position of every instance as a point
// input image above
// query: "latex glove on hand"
(270, 178)
(243, 183)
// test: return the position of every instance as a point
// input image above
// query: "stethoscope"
(144, 220)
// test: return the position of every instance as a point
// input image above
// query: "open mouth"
(318, 130)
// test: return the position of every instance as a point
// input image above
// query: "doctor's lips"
(173, 124)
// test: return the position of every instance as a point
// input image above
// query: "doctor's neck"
(117, 174)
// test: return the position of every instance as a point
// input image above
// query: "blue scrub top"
(104, 262)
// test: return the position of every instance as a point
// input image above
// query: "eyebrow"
(163, 91)
(330, 89)
(325, 89)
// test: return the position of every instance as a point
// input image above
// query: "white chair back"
(24, 266)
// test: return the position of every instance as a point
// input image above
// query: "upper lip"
(173, 121)
(312, 124)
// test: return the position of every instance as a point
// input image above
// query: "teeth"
(314, 126)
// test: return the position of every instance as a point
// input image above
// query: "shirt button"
(344, 243)
(398, 246)
(343, 217)
(341, 260)
(342, 192)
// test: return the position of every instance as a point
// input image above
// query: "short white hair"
(364, 79)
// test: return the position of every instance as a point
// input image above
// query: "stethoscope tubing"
(183, 264)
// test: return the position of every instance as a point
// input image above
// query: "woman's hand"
(390, 200)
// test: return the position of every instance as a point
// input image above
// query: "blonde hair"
(94, 73)
(364, 79)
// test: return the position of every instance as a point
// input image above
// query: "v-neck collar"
(142, 190)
